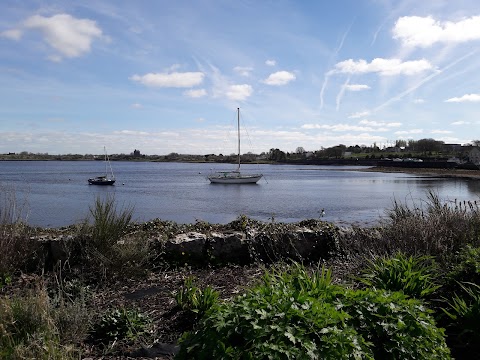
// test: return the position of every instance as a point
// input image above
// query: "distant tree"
(400, 143)
(300, 150)
(429, 145)
(475, 142)
(277, 155)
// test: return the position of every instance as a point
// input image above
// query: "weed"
(195, 300)
(413, 275)
(119, 325)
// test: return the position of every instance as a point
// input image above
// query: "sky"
(167, 76)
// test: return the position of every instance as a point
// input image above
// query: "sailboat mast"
(105, 160)
(238, 134)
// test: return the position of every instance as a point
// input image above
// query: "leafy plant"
(119, 325)
(297, 314)
(464, 327)
(413, 275)
(192, 298)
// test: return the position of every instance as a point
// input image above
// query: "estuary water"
(56, 193)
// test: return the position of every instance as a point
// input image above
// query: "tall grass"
(29, 327)
(432, 227)
(109, 245)
(18, 250)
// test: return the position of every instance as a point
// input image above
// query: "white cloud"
(69, 36)
(356, 87)
(441, 132)
(385, 67)
(280, 78)
(197, 93)
(270, 62)
(239, 92)
(418, 101)
(426, 31)
(243, 70)
(376, 123)
(406, 132)
(174, 79)
(465, 98)
(461, 122)
(13, 34)
(359, 114)
(137, 106)
(342, 127)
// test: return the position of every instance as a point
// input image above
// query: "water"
(56, 193)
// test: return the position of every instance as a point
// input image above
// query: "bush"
(413, 275)
(297, 315)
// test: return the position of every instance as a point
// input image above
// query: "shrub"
(296, 315)
(121, 324)
(413, 275)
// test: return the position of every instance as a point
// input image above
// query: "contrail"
(334, 55)
(423, 81)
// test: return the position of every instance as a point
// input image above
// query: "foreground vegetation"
(407, 289)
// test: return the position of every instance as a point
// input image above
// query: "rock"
(229, 247)
(187, 247)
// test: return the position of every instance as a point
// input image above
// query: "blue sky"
(167, 76)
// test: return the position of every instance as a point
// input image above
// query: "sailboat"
(104, 179)
(235, 176)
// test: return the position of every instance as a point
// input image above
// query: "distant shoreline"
(454, 173)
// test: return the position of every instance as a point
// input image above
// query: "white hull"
(234, 179)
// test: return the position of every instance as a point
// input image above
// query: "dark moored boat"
(104, 179)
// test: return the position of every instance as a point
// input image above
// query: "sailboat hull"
(101, 181)
(234, 178)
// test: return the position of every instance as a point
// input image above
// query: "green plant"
(463, 311)
(108, 225)
(466, 267)
(119, 325)
(28, 329)
(195, 300)
(298, 314)
(397, 327)
(413, 275)
(5, 280)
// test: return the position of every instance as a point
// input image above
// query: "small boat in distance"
(104, 179)
(235, 176)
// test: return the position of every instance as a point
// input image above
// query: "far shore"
(458, 173)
